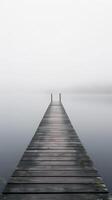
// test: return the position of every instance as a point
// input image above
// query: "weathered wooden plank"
(55, 143)
(75, 154)
(55, 136)
(55, 150)
(35, 163)
(63, 130)
(81, 180)
(52, 167)
(55, 196)
(48, 158)
(55, 163)
(56, 130)
(54, 147)
(51, 140)
(54, 188)
(76, 173)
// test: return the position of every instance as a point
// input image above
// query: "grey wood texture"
(55, 164)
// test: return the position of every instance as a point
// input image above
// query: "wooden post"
(51, 98)
(60, 97)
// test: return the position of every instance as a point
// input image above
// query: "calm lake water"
(91, 116)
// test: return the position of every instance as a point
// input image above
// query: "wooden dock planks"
(55, 165)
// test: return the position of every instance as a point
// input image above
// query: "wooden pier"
(55, 165)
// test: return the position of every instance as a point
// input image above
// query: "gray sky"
(56, 45)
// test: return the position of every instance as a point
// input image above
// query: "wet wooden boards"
(55, 165)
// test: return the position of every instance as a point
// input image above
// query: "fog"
(57, 45)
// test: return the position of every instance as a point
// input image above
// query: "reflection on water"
(91, 116)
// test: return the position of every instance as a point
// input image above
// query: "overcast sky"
(56, 45)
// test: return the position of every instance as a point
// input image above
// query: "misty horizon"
(56, 46)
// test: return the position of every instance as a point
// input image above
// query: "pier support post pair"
(59, 98)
